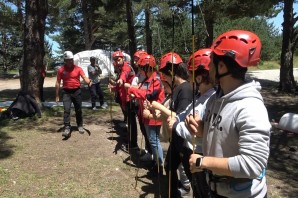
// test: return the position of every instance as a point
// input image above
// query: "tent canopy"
(103, 59)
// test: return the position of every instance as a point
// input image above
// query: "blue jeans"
(153, 136)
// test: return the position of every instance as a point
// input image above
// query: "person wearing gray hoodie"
(235, 126)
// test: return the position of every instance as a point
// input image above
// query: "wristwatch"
(199, 162)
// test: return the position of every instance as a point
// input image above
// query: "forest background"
(155, 26)
(34, 160)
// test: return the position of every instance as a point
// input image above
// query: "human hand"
(146, 113)
(57, 99)
(171, 121)
(132, 96)
(127, 85)
(193, 123)
(147, 104)
(111, 87)
(112, 82)
(192, 163)
(120, 82)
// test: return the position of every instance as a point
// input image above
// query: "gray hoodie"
(236, 126)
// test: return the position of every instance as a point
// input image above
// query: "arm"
(85, 78)
(218, 166)
(251, 158)
(126, 85)
(125, 71)
(194, 125)
(163, 109)
(98, 70)
(156, 115)
(57, 87)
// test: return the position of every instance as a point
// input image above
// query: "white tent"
(104, 60)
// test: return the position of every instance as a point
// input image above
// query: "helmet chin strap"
(218, 76)
(197, 85)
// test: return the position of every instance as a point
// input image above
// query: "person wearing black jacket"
(176, 74)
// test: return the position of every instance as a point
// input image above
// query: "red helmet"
(170, 57)
(139, 53)
(243, 46)
(201, 58)
(146, 59)
(117, 54)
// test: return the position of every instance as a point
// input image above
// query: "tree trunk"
(20, 18)
(87, 25)
(4, 51)
(287, 82)
(86, 22)
(148, 31)
(131, 30)
(34, 29)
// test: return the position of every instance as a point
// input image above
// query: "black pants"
(176, 154)
(72, 96)
(200, 186)
(95, 90)
(132, 125)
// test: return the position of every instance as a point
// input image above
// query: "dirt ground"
(35, 161)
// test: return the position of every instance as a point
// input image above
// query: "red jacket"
(151, 90)
(126, 75)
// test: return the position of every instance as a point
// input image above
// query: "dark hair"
(233, 67)
(204, 73)
(180, 70)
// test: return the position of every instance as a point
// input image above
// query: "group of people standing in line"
(215, 121)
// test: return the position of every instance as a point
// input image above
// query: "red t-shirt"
(70, 76)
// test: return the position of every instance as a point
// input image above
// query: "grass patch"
(267, 65)
(4, 176)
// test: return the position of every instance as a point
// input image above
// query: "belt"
(214, 179)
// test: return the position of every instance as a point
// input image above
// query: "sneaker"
(104, 106)
(81, 130)
(66, 132)
(147, 157)
(94, 109)
(142, 152)
(123, 125)
(182, 191)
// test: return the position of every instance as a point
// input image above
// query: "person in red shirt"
(126, 75)
(152, 90)
(70, 75)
